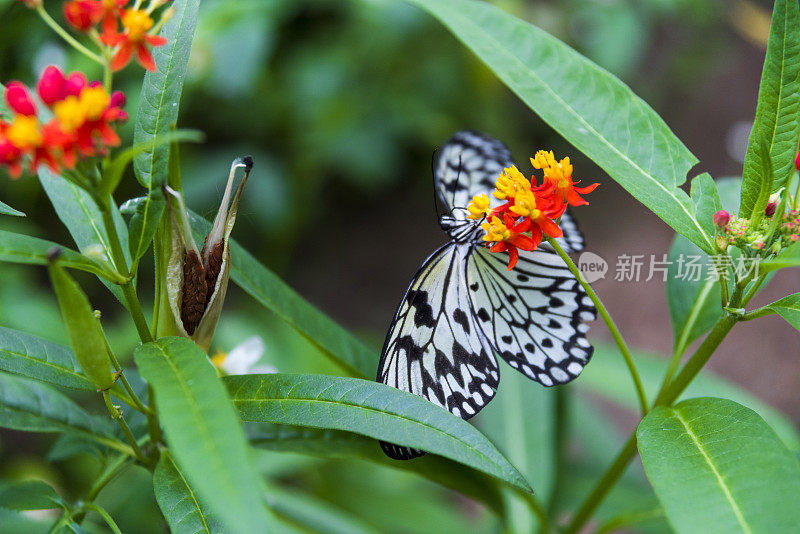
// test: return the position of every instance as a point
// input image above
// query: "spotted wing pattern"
(467, 165)
(534, 315)
(573, 238)
(435, 348)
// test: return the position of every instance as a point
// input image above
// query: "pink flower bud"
(51, 86)
(76, 82)
(19, 100)
(117, 99)
(772, 205)
(797, 161)
(722, 218)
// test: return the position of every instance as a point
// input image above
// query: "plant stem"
(66, 36)
(612, 327)
(117, 416)
(753, 289)
(666, 397)
(106, 517)
(691, 320)
(604, 485)
(755, 314)
(132, 397)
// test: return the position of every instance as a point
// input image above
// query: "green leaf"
(28, 495)
(326, 443)
(776, 123)
(161, 93)
(38, 358)
(717, 466)
(21, 522)
(113, 170)
(525, 437)
(369, 408)
(83, 219)
(315, 515)
(587, 105)
(788, 308)
(178, 501)
(20, 248)
(34, 407)
(144, 224)
(5, 209)
(205, 437)
(267, 288)
(706, 201)
(788, 258)
(607, 370)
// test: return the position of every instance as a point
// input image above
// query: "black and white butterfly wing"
(468, 164)
(533, 315)
(573, 238)
(434, 347)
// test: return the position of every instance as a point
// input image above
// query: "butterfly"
(464, 306)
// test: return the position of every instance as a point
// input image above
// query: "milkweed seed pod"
(196, 280)
(83, 325)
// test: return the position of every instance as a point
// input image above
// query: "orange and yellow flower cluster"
(138, 27)
(530, 211)
(83, 116)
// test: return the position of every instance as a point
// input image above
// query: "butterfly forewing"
(435, 348)
(468, 165)
(534, 315)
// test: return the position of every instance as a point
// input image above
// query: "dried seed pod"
(196, 282)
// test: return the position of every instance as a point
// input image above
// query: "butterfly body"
(464, 306)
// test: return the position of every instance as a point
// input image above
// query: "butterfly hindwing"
(434, 348)
(534, 315)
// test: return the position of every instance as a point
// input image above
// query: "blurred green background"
(342, 104)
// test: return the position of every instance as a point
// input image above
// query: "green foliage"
(205, 437)
(28, 495)
(717, 467)
(694, 304)
(313, 515)
(161, 93)
(37, 358)
(88, 341)
(178, 501)
(607, 371)
(29, 405)
(788, 308)
(610, 124)
(19, 248)
(774, 138)
(144, 223)
(5, 209)
(371, 409)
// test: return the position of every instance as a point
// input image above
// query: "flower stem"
(666, 397)
(116, 414)
(66, 36)
(612, 327)
(105, 515)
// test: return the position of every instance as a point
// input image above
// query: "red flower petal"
(155, 40)
(513, 256)
(122, 57)
(145, 58)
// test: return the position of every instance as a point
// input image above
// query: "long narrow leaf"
(161, 93)
(205, 437)
(590, 107)
(778, 110)
(371, 409)
(178, 502)
(20, 248)
(5, 209)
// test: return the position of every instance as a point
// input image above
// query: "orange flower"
(134, 38)
(506, 238)
(83, 14)
(558, 177)
(529, 212)
(83, 119)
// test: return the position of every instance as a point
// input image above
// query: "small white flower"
(243, 359)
